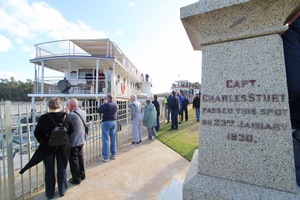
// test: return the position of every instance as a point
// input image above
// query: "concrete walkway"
(149, 170)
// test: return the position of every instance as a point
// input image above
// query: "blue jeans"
(169, 112)
(151, 132)
(109, 130)
(197, 114)
(174, 116)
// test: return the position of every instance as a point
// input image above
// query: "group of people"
(73, 119)
(102, 79)
(150, 118)
(176, 105)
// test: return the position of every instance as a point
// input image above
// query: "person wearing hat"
(196, 106)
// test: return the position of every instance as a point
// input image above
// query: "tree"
(12, 90)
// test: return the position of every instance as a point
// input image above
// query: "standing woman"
(61, 153)
(149, 119)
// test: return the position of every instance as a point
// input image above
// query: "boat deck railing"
(50, 85)
(83, 49)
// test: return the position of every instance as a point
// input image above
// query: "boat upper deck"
(75, 59)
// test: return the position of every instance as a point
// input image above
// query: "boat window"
(73, 74)
(82, 73)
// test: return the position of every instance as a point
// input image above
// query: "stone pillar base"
(199, 186)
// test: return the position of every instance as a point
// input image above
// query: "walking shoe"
(113, 157)
(105, 160)
(71, 180)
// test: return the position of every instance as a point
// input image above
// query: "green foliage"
(12, 90)
(185, 140)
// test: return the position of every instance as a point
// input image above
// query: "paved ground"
(149, 170)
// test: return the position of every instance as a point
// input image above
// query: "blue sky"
(149, 32)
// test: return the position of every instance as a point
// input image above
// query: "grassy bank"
(184, 140)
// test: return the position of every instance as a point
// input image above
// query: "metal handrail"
(15, 154)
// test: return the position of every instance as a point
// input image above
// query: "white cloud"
(27, 49)
(8, 74)
(5, 44)
(24, 21)
(119, 32)
(132, 4)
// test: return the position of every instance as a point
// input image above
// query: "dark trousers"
(185, 111)
(50, 175)
(297, 160)
(291, 44)
(174, 116)
(76, 162)
(157, 127)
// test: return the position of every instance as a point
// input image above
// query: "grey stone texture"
(213, 188)
(265, 158)
(214, 21)
(245, 148)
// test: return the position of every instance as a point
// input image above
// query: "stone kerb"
(245, 148)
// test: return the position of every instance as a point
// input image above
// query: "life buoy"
(123, 88)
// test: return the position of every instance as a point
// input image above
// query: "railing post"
(9, 146)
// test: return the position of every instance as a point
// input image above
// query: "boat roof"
(80, 53)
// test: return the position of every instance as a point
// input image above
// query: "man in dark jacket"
(196, 106)
(174, 105)
(157, 107)
(291, 44)
(184, 109)
(169, 99)
(109, 111)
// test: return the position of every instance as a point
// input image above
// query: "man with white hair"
(77, 139)
(136, 119)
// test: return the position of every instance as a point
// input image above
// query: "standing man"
(196, 106)
(166, 107)
(174, 105)
(109, 76)
(108, 110)
(77, 139)
(181, 97)
(89, 78)
(136, 119)
(169, 99)
(101, 81)
(184, 109)
(157, 107)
